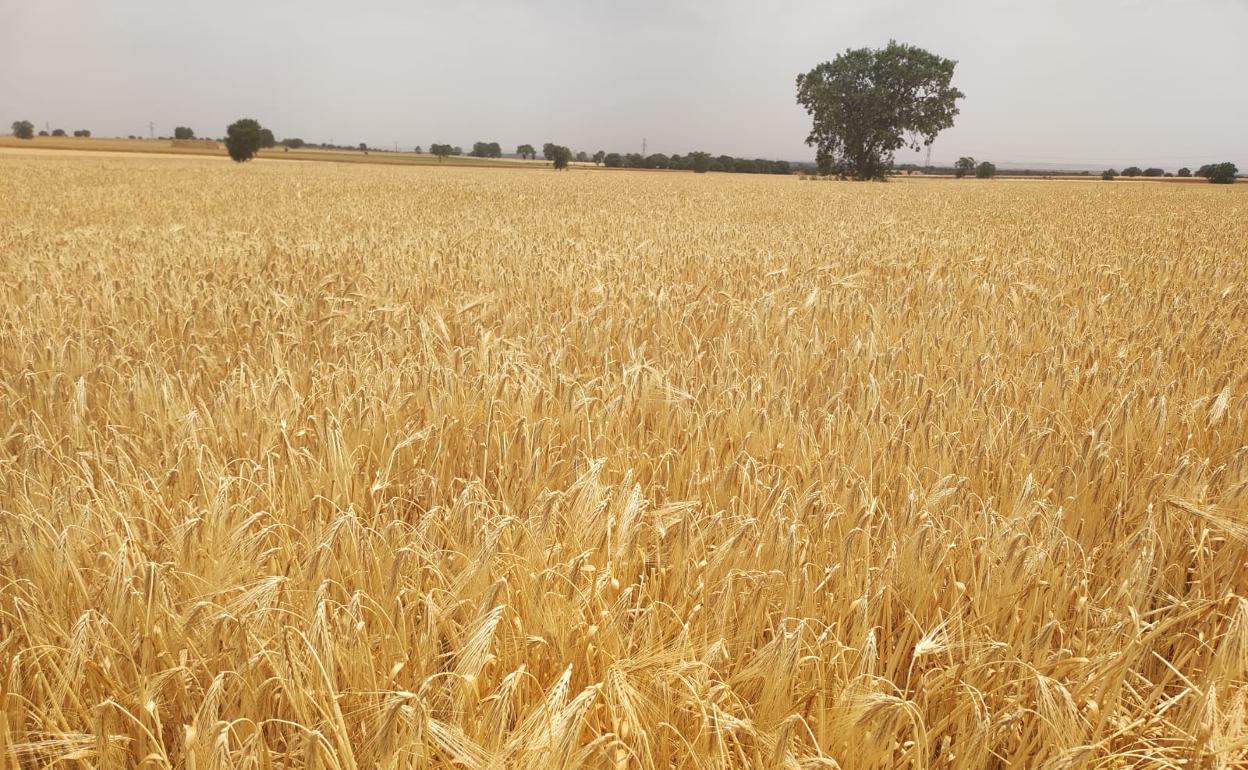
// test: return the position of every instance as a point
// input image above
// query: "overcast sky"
(1113, 82)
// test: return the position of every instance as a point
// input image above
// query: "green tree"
(581, 157)
(243, 139)
(599, 157)
(58, 132)
(267, 139)
(1132, 171)
(293, 143)
(440, 150)
(1185, 172)
(548, 150)
(613, 160)
(183, 132)
(23, 129)
(486, 150)
(964, 166)
(417, 149)
(526, 151)
(867, 103)
(82, 133)
(985, 170)
(1222, 173)
(560, 156)
(1109, 174)
(700, 162)
(1154, 172)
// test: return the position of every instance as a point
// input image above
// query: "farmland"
(345, 465)
(209, 149)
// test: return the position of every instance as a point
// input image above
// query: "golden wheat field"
(338, 466)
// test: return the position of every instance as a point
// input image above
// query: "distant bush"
(23, 129)
(985, 170)
(1132, 171)
(1109, 174)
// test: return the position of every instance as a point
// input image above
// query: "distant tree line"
(24, 129)
(1216, 173)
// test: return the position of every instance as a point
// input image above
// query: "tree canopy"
(183, 132)
(985, 170)
(867, 103)
(23, 129)
(441, 150)
(243, 139)
(964, 166)
(486, 150)
(557, 154)
(526, 152)
(1219, 173)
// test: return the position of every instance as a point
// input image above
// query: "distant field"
(168, 147)
(349, 466)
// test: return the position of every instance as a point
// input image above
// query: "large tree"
(526, 152)
(868, 103)
(243, 139)
(23, 129)
(559, 155)
(441, 150)
(486, 150)
(183, 132)
(964, 166)
(1222, 173)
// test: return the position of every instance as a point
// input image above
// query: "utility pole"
(643, 147)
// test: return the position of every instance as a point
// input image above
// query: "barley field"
(346, 466)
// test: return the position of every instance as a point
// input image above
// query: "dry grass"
(351, 466)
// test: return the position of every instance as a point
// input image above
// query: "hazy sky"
(1114, 82)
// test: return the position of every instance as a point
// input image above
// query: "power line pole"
(643, 147)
